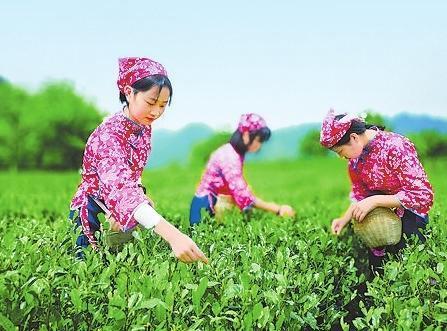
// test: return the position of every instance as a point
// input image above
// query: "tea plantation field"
(264, 272)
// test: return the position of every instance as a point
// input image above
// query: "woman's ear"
(127, 91)
(354, 137)
(246, 138)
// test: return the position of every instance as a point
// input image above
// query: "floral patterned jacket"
(389, 165)
(114, 159)
(224, 175)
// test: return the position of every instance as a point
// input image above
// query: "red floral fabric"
(389, 165)
(114, 159)
(224, 175)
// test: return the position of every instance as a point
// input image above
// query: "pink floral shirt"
(114, 159)
(389, 165)
(224, 175)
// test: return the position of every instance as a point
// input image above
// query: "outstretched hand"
(286, 211)
(337, 225)
(183, 247)
(186, 250)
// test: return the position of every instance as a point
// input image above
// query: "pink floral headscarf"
(332, 130)
(132, 69)
(251, 122)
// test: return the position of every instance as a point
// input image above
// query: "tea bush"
(264, 273)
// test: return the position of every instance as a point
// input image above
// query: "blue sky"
(289, 61)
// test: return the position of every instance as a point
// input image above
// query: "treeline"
(48, 130)
(44, 130)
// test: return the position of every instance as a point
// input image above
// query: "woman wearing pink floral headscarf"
(114, 159)
(224, 172)
(385, 172)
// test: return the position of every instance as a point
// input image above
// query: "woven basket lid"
(381, 227)
(116, 239)
(224, 204)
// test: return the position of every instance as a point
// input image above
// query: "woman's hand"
(286, 211)
(114, 225)
(337, 225)
(186, 250)
(362, 208)
(281, 210)
(183, 247)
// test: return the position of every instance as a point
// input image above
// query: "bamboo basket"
(224, 204)
(114, 237)
(381, 227)
(117, 239)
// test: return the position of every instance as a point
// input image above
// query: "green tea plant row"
(264, 272)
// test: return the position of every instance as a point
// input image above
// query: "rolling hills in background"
(170, 146)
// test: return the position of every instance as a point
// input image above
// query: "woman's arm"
(339, 223)
(362, 208)
(281, 210)
(416, 193)
(267, 206)
(184, 248)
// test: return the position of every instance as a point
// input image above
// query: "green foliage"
(15, 104)
(46, 130)
(377, 119)
(430, 144)
(310, 145)
(266, 273)
(201, 151)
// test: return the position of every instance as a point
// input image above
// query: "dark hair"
(147, 83)
(238, 143)
(358, 127)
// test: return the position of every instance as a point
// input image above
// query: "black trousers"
(411, 225)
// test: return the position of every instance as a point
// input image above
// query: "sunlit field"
(264, 272)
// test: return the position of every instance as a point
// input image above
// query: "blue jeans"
(199, 203)
(93, 211)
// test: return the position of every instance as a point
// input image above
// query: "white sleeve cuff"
(146, 216)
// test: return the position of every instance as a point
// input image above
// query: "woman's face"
(146, 107)
(255, 145)
(352, 150)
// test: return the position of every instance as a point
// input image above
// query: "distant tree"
(377, 119)
(65, 122)
(430, 144)
(47, 130)
(14, 104)
(201, 151)
(310, 145)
